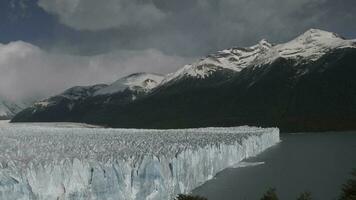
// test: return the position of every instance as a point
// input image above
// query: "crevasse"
(130, 164)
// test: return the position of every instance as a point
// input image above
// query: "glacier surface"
(45, 163)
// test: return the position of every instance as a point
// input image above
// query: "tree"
(349, 188)
(305, 196)
(188, 197)
(270, 195)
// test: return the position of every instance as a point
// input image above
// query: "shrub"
(188, 197)
(305, 196)
(348, 191)
(270, 195)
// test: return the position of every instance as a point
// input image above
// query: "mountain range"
(306, 84)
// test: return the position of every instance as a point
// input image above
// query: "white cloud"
(27, 71)
(99, 15)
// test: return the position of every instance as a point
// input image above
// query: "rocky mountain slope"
(306, 84)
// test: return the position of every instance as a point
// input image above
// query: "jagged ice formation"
(131, 164)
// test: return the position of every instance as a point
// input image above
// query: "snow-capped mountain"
(70, 97)
(144, 82)
(122, 91)
(309, 46)
(306, 84)
(234, 59)
(136, 83)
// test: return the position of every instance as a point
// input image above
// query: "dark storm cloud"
(195, 27)
(99, 15)
(83, 42)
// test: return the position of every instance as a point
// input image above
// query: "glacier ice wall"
(129, 164)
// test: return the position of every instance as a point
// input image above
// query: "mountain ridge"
(231, 88)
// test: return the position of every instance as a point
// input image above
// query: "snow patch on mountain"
(130, 164)
(81, 92)
(309, 46)
(234, 59)
(72, 94)
(143, 82)
(139, 82)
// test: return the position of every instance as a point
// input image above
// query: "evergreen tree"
(349, 188)
(270, 195)
(305, 196)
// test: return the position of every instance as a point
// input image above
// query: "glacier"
(45, 163)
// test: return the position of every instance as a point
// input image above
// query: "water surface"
(315, 162)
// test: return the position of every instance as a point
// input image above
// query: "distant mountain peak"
(265, 44)
(9, 108)
(233, 59)
(310, 45)
(79, 92)
(318, 33)
(138, 81)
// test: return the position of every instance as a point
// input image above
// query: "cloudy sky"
(49, 45)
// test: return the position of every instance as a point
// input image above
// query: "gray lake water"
(315, 162)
